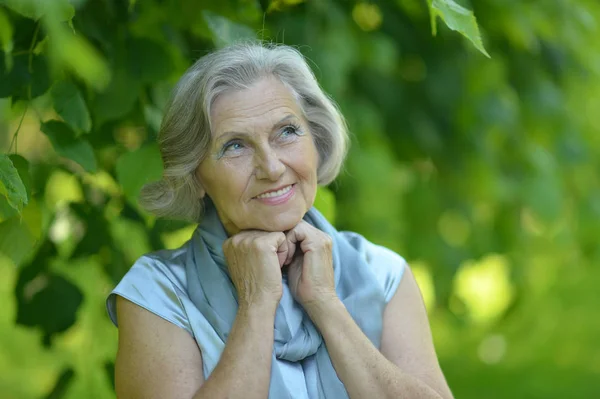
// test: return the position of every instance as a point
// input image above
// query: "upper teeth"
(275, 193)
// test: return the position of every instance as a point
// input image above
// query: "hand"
(310, 276)
(254, 259)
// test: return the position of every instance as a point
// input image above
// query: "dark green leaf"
(117, 100)
(62, 384)
(19, 80)
(50, 304)
(69, 103)
(11, 185)
(67, 145)
(149, 61)
(96, 234)
(134, 169)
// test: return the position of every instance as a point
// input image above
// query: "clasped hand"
(255, 259)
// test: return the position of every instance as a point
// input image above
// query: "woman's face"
(261, 167)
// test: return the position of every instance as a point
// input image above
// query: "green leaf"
(27, 8)
(148, 60)
(6, 38)
(457, 18)
(279, 5)
(69, 103)
(117, 100)
(134, 169)
(22, 166)
(67, 145)
(35, 9)
(53, 305)
(224, 31)
(11, 185)
(17, 81)
(16, 241)
(80, 57)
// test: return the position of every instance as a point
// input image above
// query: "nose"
(268, 164)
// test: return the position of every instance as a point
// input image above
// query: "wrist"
(258, 306)
(320, 308)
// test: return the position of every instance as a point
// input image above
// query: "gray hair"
(184, 136)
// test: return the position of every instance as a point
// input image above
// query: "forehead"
(260, 105)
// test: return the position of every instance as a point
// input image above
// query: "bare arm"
(157, 359)
(244, 370)
(406, 367)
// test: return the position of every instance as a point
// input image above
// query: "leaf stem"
(16, 135)
(32, 45)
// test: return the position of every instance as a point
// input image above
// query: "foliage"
(482, 172)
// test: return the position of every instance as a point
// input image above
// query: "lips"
(275, 192)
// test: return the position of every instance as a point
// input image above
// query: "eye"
(232, 145)
(290, 130)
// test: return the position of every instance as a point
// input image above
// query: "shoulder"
(387, 265)
(166, 263)
(157, 283)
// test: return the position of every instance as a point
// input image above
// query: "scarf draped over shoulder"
(296, 337)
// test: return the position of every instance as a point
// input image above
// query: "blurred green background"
(482, 172)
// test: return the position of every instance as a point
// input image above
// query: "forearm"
(245, 366)
(364, 371)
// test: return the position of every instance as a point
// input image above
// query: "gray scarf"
(296, 337)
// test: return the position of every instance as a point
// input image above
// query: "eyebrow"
(225, 135)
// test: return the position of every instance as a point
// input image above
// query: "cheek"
(306, 161)
(226, 180)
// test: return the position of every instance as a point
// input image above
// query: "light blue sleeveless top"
(157, 283)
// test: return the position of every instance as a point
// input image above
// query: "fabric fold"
(296, 338)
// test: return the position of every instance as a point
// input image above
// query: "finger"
(302, 234)
(282, 248)
(291, 250)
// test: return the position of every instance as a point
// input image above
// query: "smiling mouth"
(274, 194)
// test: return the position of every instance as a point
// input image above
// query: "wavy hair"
(185, 132)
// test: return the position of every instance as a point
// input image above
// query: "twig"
(16, 135)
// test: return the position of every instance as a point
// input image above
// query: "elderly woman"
(267, 299)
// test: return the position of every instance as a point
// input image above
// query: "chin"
(283, 222)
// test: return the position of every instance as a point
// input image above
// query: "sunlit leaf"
(11, 185)
(457, 18)
(367, 16)
(78, 55)
(6, 38)
(279, 5)
(22, 166)
(66, 144)
(485, 287)
(35, 9)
